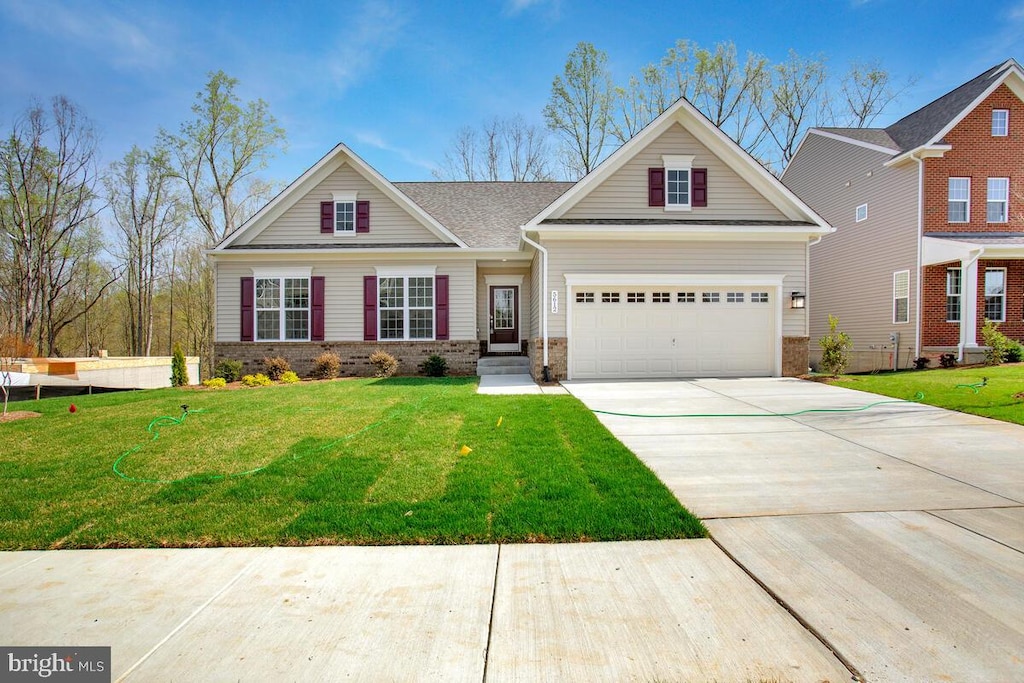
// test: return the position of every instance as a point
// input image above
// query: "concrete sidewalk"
(663, 610)
(896, 533)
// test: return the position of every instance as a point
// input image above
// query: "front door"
(504, 323)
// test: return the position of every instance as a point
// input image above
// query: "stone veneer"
(795, 352)
(461, 355)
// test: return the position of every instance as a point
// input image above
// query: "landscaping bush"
(998, 343)
(179, 370)
(257, 380)
(1015, 352)
(947, 360)
(922, 363)
(384, 363)
(289, 377)
(435, 366)
(835, 348)
(229, 370)
(215, 382)
(326, 366)
(275, 367)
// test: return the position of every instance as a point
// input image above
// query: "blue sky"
(395, 79)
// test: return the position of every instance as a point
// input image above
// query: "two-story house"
(929, 218)
(678, 256)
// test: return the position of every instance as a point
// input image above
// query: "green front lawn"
(1002, 398)
(342, 462)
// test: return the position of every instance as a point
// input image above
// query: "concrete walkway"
(515, 384)
(895, 533)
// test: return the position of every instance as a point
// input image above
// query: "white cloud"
(374, 139)
(124, 43)
(1016, 12)
(376, 28)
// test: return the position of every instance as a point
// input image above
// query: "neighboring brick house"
(929, 218)
(678, 256)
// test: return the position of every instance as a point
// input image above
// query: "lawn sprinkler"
(974, 387)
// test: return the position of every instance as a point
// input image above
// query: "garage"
(713, 330)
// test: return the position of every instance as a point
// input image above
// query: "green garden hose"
(974, 387)
(917, 397)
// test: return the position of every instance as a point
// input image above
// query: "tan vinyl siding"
(624, 194)
(343, 295)
(852, 269)
(536, 275)
(680, 258)
(483, 306)
(390, 223)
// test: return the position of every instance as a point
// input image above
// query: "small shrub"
(215, 382)
(275, 367)
(435, 366)
(257, 380)
(835, 348)
(947, 360)
(998, 343)
(179, 370)
(229, 370)
(326, 366)
(289, 377)
(1015, 352)
(922, 363)
(384, 363)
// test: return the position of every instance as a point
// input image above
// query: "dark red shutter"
(655, 187)
(317, 300)
(370, 308)
(441, 305)
(700, 187)
(362, 216)
(248, 297)
(327, 217)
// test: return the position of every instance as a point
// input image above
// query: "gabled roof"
(317, 174)
(708, 134)
(484, 214)
(871, 136)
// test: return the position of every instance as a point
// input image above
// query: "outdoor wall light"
(798, 300)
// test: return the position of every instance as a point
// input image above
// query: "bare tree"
(796, 101)
(47, 186)
(503, 149)
(579, 109)
(866, 90)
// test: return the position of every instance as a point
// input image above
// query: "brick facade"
(461, 355)
(936, 332)
(557, 358)
(795, 356)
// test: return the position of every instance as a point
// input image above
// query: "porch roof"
(943, 248)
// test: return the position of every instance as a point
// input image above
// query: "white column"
(969, 303)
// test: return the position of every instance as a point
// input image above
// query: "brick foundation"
(461, 355)
(557, 358)
(795, 360)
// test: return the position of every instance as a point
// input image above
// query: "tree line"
(765, 107)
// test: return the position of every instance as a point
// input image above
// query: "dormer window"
(1000, 122)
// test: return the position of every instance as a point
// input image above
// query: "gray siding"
(343, 294)
(624, 194)
(680, 258)
(390, 223)
(852, 269)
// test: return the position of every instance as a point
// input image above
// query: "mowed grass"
(1002, 397)
(342, 462)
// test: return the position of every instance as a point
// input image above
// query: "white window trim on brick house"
(954, 292)
(1001, 296)
(961, 197)
(998, 197)
(1000, 122)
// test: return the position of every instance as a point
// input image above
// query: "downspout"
(543, 308)
(920, 240)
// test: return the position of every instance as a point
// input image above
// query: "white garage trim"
(773, 282)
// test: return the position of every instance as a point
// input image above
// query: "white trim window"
(995, 294)
(998, 200)
(282, 308)
(678, 181)
(344, 213)
(405, 307)
(862, 213)
(953, 294)
(901, 296)
(1000, 122)
(959, 200)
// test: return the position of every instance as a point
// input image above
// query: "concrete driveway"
(895, 533)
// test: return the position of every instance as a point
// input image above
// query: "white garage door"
(693, 331)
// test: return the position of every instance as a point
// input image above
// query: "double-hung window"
(995, 294)
(678, 181)
(405, 307)
(1000, 122)
(282, 308)
(344, 213)
(959, 200)
(901, 296)
(953, 293)
(998, 199)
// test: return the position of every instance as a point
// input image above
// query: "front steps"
(503, 365)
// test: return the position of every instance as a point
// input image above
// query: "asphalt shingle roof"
(874, 136)
(484, 214)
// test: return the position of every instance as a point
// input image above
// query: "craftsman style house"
(929, 217)
(679, 256)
